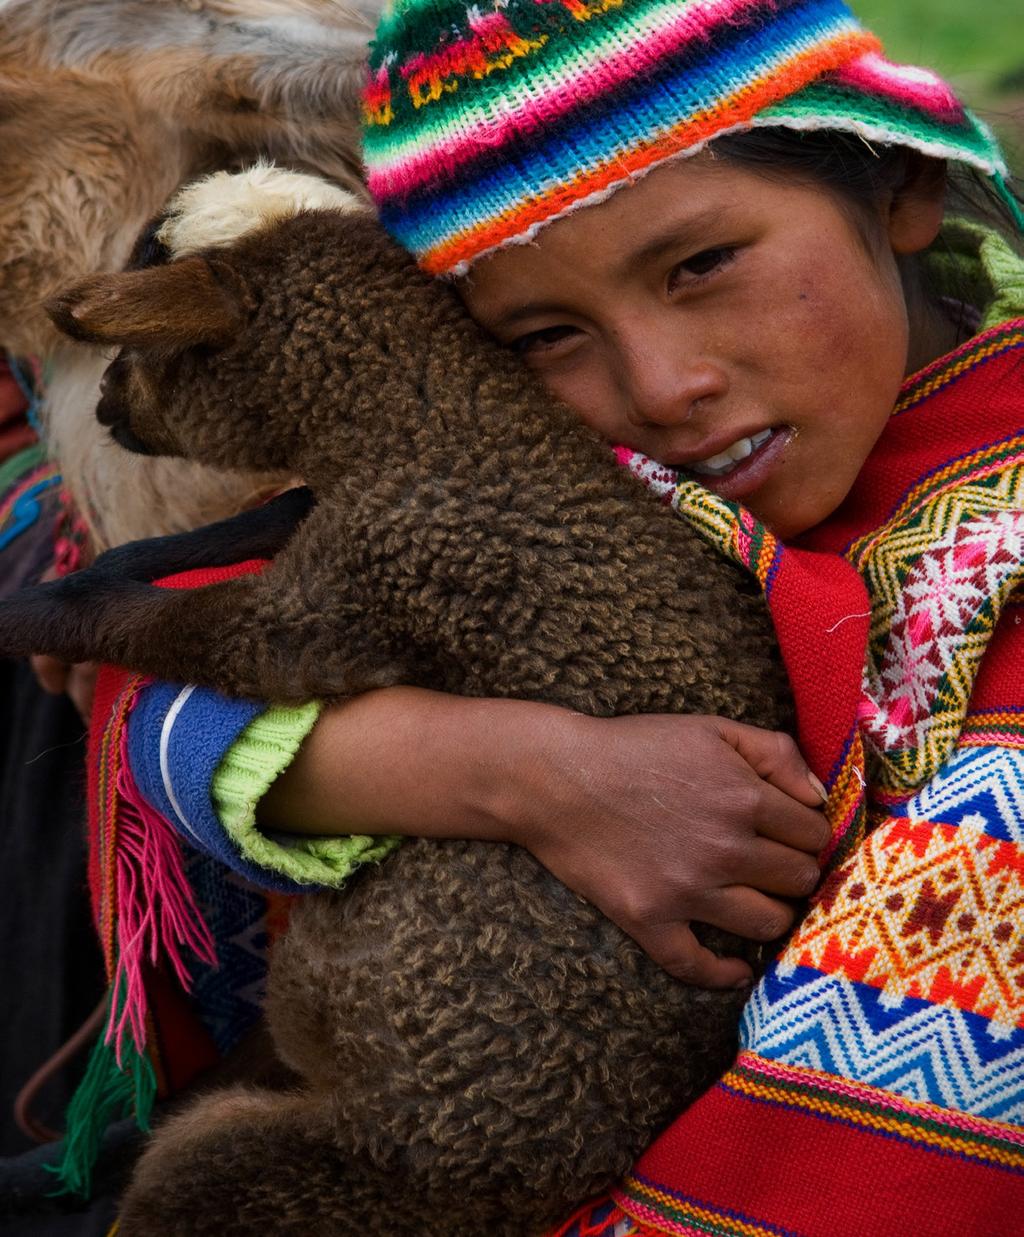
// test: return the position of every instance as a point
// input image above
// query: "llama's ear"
(172, 306)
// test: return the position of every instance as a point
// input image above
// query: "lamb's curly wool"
(480, 1048)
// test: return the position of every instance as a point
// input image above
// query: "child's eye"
(700, 266)
(542, 341)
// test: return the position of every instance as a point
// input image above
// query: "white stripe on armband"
(165, 742)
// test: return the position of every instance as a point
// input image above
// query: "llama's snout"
(123, 435)
(113, 410)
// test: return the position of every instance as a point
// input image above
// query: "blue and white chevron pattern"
(925, 1052)
(975, 781)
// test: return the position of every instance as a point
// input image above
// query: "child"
(702, 225)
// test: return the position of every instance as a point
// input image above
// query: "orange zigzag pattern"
(925, 910)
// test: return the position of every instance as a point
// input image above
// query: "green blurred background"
(977, 44)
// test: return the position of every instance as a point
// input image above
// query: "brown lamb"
(479, 1048)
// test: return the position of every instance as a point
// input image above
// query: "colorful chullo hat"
(483, 123)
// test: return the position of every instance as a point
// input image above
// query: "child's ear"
(918, 206)
(174, 306)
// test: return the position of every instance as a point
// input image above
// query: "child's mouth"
(744, 465)
(729, 460)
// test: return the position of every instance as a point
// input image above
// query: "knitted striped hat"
(484, 123)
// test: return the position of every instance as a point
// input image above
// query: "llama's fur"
(479, 1047)
(106, 107)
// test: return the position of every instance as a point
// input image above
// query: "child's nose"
(664, 389)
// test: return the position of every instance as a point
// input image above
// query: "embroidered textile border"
(1002, 728)
(975, 352)
(669, 1212)
(832, 1098)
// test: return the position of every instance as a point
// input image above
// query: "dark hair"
(863, 174)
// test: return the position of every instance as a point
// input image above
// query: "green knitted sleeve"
(260, 754)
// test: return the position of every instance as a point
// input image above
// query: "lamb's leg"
(95, 615)
(87, 615)
(244, 1162)
(243, 636)
(259, 533)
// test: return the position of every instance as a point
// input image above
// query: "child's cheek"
(805, 337)
(841, 324)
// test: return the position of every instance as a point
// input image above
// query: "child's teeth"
(724, 460)
(727, 460)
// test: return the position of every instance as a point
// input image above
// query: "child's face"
(708, 312)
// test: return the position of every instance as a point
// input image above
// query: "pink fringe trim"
(156, 909)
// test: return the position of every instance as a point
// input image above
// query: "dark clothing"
(51, 968)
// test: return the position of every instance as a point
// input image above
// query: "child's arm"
(658, 820)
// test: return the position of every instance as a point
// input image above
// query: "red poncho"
(880, 1087)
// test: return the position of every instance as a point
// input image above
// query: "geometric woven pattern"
(730, 528)
(484, 122)
(976, 781)
(925, 910)
(229, 999)
(908, 972)
(1000, 727)
(939, 574)
(925, 1052)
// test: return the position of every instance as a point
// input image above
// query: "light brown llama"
(106, 107)
(479, 1048)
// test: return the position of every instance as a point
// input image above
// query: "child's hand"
(58, 678)
(657, 820)
(660, 820)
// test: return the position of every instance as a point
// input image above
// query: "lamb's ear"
(172, 306)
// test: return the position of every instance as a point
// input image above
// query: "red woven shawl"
(917, 577)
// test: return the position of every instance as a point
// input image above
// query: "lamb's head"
(217, 321)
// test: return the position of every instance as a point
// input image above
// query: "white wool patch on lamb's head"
(219, 209)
